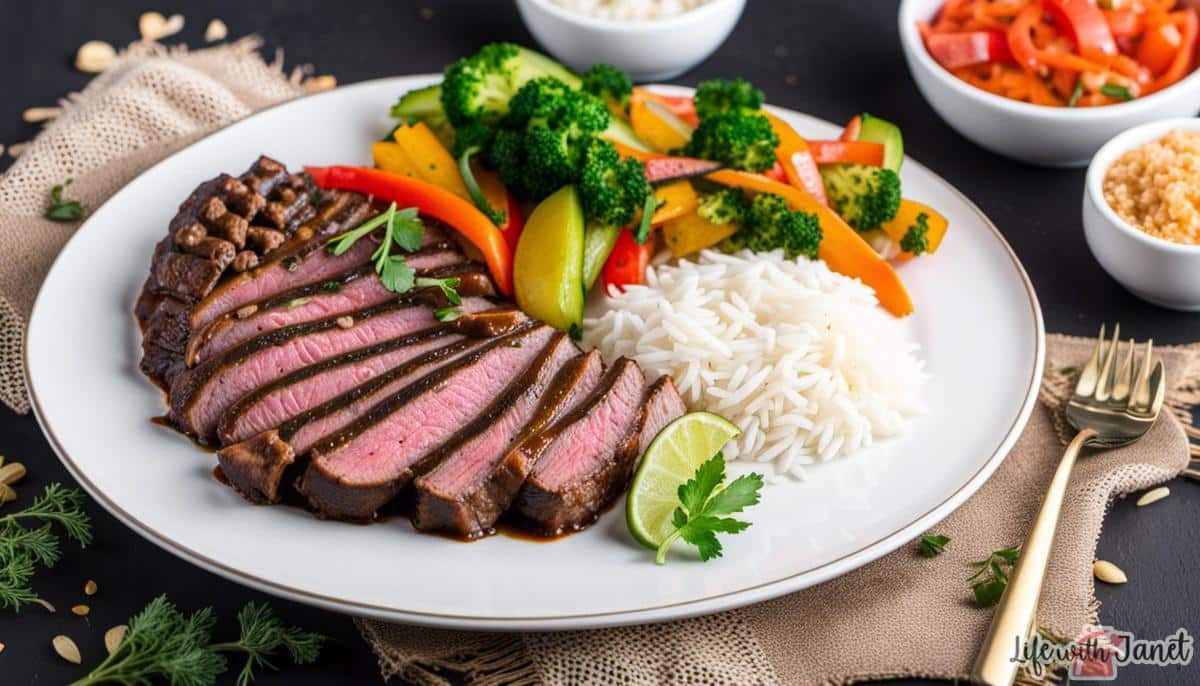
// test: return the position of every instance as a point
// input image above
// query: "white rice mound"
(802, 359)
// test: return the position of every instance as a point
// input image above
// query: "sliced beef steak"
(354, 290)
(577, 461)
(201, 395)
(468, 490)
(360, 468)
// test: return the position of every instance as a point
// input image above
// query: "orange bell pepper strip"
(797, 160)
(1184, 57)
(675, 200)
(842, 248)
(430, 200)
(433, 162)
(847, 152)
(657, 125)
(908, 215)
(853, 127)
(626, 151)
(1159, 47)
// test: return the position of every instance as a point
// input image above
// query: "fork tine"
(1104, 383)
(1124, 376)
(1140, 399)
(1086, 385)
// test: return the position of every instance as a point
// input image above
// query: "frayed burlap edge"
(479, 660)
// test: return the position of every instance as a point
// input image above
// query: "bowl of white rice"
(651, 40)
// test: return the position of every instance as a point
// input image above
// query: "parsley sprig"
(61, 210)
(402, 228)
(447, 286)
(24, 549)
(162, 645)
(991, 577)
(699, 518)
(932, 545)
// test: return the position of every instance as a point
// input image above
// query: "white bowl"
(654, 50)
(1154, 269)
(1048, 136)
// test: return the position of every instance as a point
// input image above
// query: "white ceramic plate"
(977, 321)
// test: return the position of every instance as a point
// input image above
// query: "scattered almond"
(46, 604)
(12, 473)
(113, 638)
(246, 311)
(90, 588)
(36, 115)
(344, 322)
(1, 647)
(81, 610)
(1, 454)
(7, 494)
(154, 26)
(319, 83)
(1108, 572)
(67, 649)
(16, 149)
(94, 56)
(1153, 496)
(427, 13)
(216, 31)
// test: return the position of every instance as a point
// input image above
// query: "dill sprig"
(23, 549)
(162, 645)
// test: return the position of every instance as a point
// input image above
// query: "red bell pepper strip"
(1124, 23)
(1020, 40)
(681, 106)
(799, 166)
(1083, 21)
(776, 173)
(429, 200)
(1189, 24)
(852, 129)
(627, 263)
(967, 48)
(514, 223)
(850, 152)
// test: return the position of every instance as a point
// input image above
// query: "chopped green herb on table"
(62, 210)
(989, 582)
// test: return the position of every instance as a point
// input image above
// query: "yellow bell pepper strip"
(656, 125)
(430, 200)
(692, 233)
(909, 215)
(674, 200)
(797, 160)
(841, 247)
(390, 157)
(681, 106)
(433, 162)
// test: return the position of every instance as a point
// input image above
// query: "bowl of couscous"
(1141, 211)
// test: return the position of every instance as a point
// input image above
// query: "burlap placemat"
(151, 102)
(900, 616)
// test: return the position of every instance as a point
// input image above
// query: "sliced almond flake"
(81, 610)
(36, 115)
(46, 604)
(12, 473)
(1108, 572)
(216, 31)
(94, 56)
(319, 83)
(1153, 496)
(154, 26)
(113, 637)
(245, 311)
(90, 587)
(16, 149)
(344, 322)
(1, 454)
(1, 647)
(67, 649)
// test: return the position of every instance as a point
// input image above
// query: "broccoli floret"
(724, 95)
(475, 137)
(739, 139)
(539, 146)
(610, 84)
(915, 240)
(863, 195)
(479, 87)
(770, 225)
(724, 206)
(612, 189)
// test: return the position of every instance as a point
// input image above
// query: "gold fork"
(1114, 404)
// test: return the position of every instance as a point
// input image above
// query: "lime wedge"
(672, 458)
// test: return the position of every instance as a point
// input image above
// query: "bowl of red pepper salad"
(1050, 81)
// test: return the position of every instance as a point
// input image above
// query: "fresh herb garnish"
(23, 549)
(1113, 90)
(1076, 93)
(297, 302)
(61, 210)
(699, 518)
(1067, 371)
(932, 545)
(447, 314)
(446, 285)
(402, 228)
(162, 645)
(642, 233)
(332, 286)
(991, 579)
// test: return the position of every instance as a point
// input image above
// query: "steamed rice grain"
(803, 360)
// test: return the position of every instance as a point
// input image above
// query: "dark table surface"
(830, 58)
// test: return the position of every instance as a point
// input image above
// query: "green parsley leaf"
(991, 578)
(332, 286)
(408, 231)
(1067, 371)
(446, 285)
(702, 500)
(402, 228)
(988, 593)
(932, 545)
(447, 314)
(61, 210)
(341, 243)
(1113, 90)
(396, 275)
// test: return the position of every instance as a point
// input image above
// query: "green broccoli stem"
(477, 196)
(642, 233)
